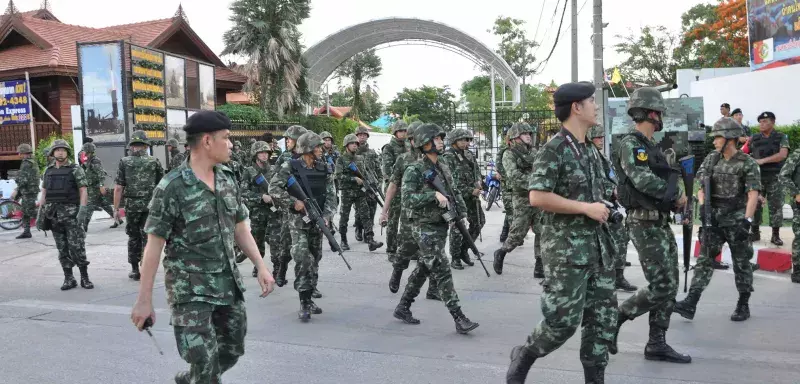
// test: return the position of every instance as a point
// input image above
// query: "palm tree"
(360, 68)
(266, 32)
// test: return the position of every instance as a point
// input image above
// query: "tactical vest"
(630, 198)
(314, 181)
(762, 147)
(61, 186)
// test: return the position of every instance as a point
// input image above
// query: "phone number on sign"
(16, 100)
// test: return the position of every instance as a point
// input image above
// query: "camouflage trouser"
(525, 219)
(68, 235)
(433, 263)
(796, 241)
(658, 254)
(476, 219)
(28, 203)
(137, 239)
(285, 241)
(508, 202)
(620, 234)
(306, 252)
(265, 226)
(774, 193)
(393, 226)
(373, 208)
(97, 200)
(741, 251)
(358, 199)
(209, 337)
(575, 295)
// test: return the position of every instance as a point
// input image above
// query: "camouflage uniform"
(27, 188)
(517, 164)
(790, 175)
(508, 203)
(175, 155)
(137, 175)
(389, 155)
(372, 165)
(731, 181)
(285, 245)
(317, 183)
(648, 191)
(762, 146)
(62, 190)
(95, 178)
(353, 195)
(330, 156)
(429, 230)
(265, 219)
(237, 154)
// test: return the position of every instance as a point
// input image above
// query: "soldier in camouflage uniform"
(790, 175)
(371, 168)
(95, 180)
(64, 198)
(735, 184)
(508, 204)
(770, 148)
(237, 155)
(425, 207)
(27, 188)
(285, 245)
(353, 195)
(175, 155)
(137, 177)
(389, 155)
(567, 185)
(330, 154)
(311, 172)
(618, 230)
(648, 189)
(518, 162)
(265, 217)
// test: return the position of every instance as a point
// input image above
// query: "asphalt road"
(85, 336)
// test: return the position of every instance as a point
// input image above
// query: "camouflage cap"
(89, 147)
(398, 126)
(259, 146)
(295, 131)
(458, 134)
(308, 141)
(24, 148)
(597, 132)
(518, 129)
(425, 134)
(326, 135)
(362, 130)
(172, 143)
(350, 139)
(58, 144)
(727, 127)
(139, 137)
(647, 98)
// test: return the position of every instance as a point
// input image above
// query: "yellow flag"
(615, 77)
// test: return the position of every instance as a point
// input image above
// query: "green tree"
(515, 48)
(715, 36)
(652, 57)
(265, 31)
(431, 104)
(362, 67)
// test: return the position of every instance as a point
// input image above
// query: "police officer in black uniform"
(770, 149)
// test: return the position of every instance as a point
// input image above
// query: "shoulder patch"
(640, 154)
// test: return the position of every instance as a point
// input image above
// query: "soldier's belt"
(646, 215)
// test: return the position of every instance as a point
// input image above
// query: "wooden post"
(30, 111)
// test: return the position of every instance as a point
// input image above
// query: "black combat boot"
(742, 311)
(359, 233)
(183, 377)
(499, 256)
(717, 265)
(465, 256)
(85, 283)
(394, 281)
(755, 234)
(538, 269)
(504, 232)
(281, 279)
(315, 310)
(521, 361)
(688, 305)
(403, 312)
(796, 273)
(345, 246)
(316, 293)
(622, 283)
(613, 349)
(134, 273)
(776, 236)
(69, 280)
(255, 272)
(594, 375)
(276, 265)
(463, 324)
(26, 233)
(304, 313)
(456, 264)
(373, 245)
(240, 257)
(658, 349)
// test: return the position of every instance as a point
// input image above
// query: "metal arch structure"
(324, 57)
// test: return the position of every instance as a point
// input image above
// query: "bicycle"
(10, 214)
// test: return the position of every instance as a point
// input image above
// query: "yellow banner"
(155, 134)
(146, 103)
(148, 72)
(141, 54)
(139, 86)
(154, 119)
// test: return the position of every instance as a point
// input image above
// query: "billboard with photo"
(774, 33)
(102, 92)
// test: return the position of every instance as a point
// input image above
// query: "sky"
(410, 66)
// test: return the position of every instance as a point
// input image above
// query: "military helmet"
(350, 139)
(518, 129)
(308, 141)
(458, 134)
(252, 141)
(398, 126)
(295, 131)
(326, 135)
(362, 130)
(727, 128)
(413, 128)
(646, 98)
(237, 143)
(24, 148)
(58, 144)
(425, 134)
(139, 137)
(259, 146)
(89, 147)
(172, 143)
(597, 132)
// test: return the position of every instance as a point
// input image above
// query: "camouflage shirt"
(28, 177)
(397, 175)
(175, 159)
(95, 174)
(252, 192)
(731, 179)
(465, 170)
(611, 180)
(790, 175)
(517, 165)
(419, 198)
(198, 225)
(138, 174)
(372, 162)
(282, 158)
(638, 172)
(499, 162)
(346, 177)
(277, 188)
(389, 155)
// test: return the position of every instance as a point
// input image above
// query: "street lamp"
(697, 71)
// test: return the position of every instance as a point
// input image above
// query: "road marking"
(73, 307)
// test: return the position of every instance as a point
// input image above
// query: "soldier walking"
(518, 166)
(508, 202)
(567, 184)
(371, 168)
(175, 155)
(27, 188)
(96, 189)
(467, 179)
(770, 148)
(790, 175)
(389, 155)
(197, 212)
(64, 199)
(285, 245)
(648, 189)
(330, 154)
(265, 217)
(353, 195)
(137, 177)
(425, 207)
(735, 184)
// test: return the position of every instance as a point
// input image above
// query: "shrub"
(44, 144)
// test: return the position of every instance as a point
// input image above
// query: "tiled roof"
(142, 33)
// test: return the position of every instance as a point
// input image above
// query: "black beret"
(725, 105)
(88, 140)
(735, 111)
(573, 92)
(206, 122)
(766, 115)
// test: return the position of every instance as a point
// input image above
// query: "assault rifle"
(263, 184)
(687, 171)
(313, 214)
(452, 215)
(369, 185)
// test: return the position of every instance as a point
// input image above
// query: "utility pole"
(599, 74)
(574, 40)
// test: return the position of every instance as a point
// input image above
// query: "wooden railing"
(13, 135)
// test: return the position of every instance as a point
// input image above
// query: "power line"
(549, 28)
(558, 34)
(538, 23)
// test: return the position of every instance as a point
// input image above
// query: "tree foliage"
(716, 35)
(515, 48)
(651, 55)
(476, 94)
(362, 67)
(371, 108)
(430, 104)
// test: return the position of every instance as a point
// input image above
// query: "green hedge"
(793, 131)
(247, 113)
(338, 128)
(44, 144)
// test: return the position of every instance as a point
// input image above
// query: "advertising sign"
(774, 33)
(102, 91)
(14, 107)
(147, 85)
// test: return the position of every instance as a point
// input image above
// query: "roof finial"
(11, 9)
(180, 14)
(45, 5)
